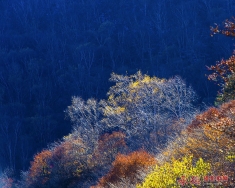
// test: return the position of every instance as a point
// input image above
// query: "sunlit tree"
(125, 168)
(171, 173)
(224, 70)
(142, 105)
(210, 136)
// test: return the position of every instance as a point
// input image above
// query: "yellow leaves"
(134, 84)
(78, 141)
(110, 110)
(167, 174)
(146, 79)
(130, 90)
(202, 168)
(120, 110)
(110, 97)
(230, 157)
(166, 153)
(155, 90)
(68, 137)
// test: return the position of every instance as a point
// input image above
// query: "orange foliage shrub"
(61, 166)
(127, 166)
(210, 136)
(221, 120)
(216, 142)
(63, 163)
(40, 169)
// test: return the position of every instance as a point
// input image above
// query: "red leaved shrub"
(127, 166)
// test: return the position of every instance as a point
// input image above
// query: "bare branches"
(139, 102)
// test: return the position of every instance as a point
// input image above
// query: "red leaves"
(127, 166)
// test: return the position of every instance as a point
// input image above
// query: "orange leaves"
(127, 166)
(215, 30)
(66, 160)
(224, 70)
(40, 169)
(210, 136)
(222, 119)
(133, 161)
(228, 28)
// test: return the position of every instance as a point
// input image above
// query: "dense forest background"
(54, 49)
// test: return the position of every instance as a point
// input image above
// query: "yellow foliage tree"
(143, 107)
(210, 136)
(171, 173)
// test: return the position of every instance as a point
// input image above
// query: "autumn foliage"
(227, 29)
(59, 166)
(40, 169)
(223, 73)
(217, 138)
(127, 167)
(224, 70)
(220, 119)
(68, 161)
(145, 112)
(109, 145)
(140, 111)
(169, 174)
(211, 137)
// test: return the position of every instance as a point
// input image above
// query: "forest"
(100, 93)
